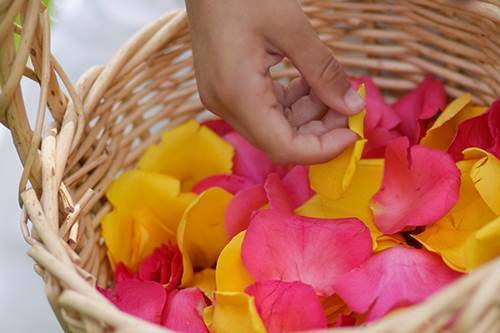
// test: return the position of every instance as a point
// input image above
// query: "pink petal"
(231, 183)
(143, 299)
(395, 277)
(422, 103)
(122, 273)
(183, 311)
(219, 126)
(481, 132)
(241, 207)
(287, 306)
(420, 186)
(345, 320)
(296, 182)
(163, 266)
(250, 162)
(315, 251)
(278, 197)
(378, 139)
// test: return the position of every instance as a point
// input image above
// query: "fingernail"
(353, 101)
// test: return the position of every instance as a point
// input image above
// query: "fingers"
(318, 66)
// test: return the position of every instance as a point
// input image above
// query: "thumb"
(324, 74)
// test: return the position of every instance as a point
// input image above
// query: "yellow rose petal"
(205, 281)
(233, 312)
(444, 129)
(201, 235)
(486, 177)
(189, 153)
(357, 122)
(355, 201)
(230, 274)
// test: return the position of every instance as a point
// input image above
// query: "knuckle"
(331, 70)
(207, 97)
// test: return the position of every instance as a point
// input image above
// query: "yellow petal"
(201, 235)
(233, 312)
(454, 236)
(485, 245)
(117, 232)
(486, 177)
(357, 122)
(189, 153)
(355, 201)
(205, 281)
(385, 242)
(331, 179)
(230, 273)
(442, 132)
(141, 190)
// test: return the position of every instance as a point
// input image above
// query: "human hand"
(234, 45)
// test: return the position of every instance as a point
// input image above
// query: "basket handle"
(25, 37)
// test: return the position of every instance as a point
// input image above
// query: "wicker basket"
(101, 125)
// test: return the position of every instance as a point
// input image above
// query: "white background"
(85, 33)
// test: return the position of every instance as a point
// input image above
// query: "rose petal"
(494, 127)
(250, 162)
(420, 186)
(183, 311)
(295, 248)
(233, 312)
(143, 299)
(205, 281)
(485, 174)
(471, 133)
(278, 196)
(122, 273)
(163, 266)
(219, 126)
(296, 183)
(241, 208)
(396, 277)
(287, 306)
(355, 202)
(377, 141)
(202, 235)
(230, 274)
(189, 153)
(422, 103)
(231, 183)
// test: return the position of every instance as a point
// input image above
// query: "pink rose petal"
(250, 162)
(287, 306)
(395, 277)
(481, 132)
(278, 197)
(422, 103)
(296, 182)
(219, 126)
(184, 311)
(315, 251)
(420, 186)
(241, 207)
(143, 299)
(122, 273)
(163, 266)
(345, 320)
(231, 183)
(377, 141)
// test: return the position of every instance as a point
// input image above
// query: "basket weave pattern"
(98, 127)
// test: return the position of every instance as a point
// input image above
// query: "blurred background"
(84, 33)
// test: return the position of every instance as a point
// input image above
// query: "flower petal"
(205, 281)
(486, 177)
(163, 266)
(241, 208)
(183, 311)
(231, 183)
(201, 235)
(233, 312)
(331, 179)
(278, 196)
(250, 162)
(355, 202)
(471, 133)
(396, 277)
(287, 306)
(143, 299)
(296, 183)
(230, 274)
(455, 236)
(420, 186)
(219, 126)
(422, 103)
(189, 153)
(295, 248)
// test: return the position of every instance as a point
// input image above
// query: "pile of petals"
(207, 234)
